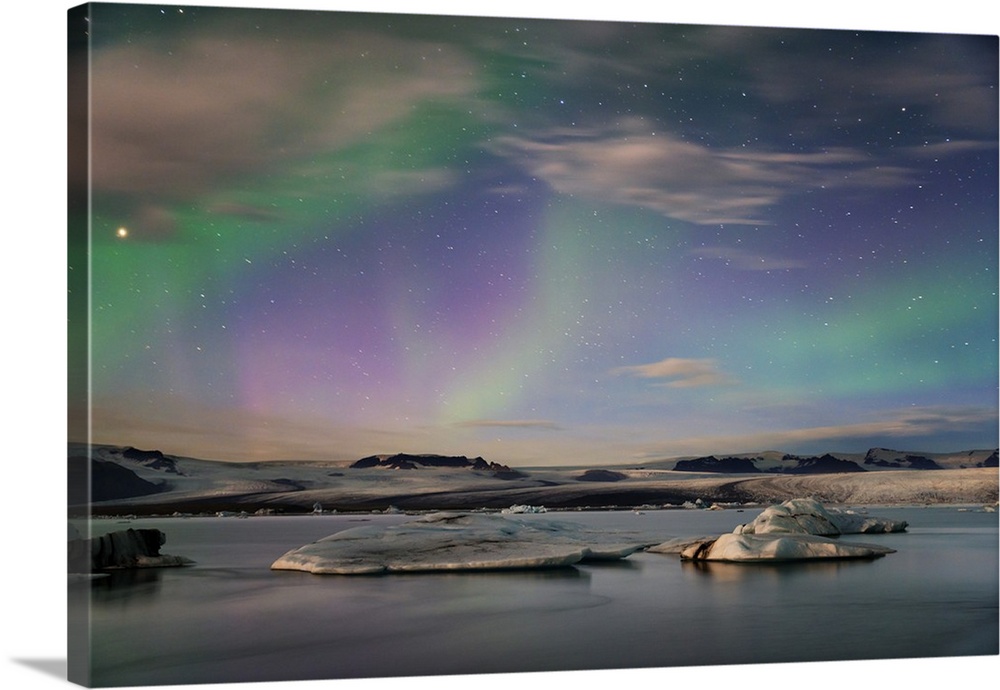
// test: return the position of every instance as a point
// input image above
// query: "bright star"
(122, 232)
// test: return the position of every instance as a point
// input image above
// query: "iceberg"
(456, 542)
(132, 548)
(751, 548)
(798, 529)
(809, 516)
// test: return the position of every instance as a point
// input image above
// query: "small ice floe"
(457, 542)
(523, 509)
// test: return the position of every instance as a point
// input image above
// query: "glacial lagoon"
(230, 618)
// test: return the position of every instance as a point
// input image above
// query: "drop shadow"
(57, 668)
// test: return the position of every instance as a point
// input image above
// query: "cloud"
(174, 120)
(894, 426)
(508, 424)
(933, 74)
(189, 427)
(641, 162)
(684, 373)
(630, 163)
(243, 211)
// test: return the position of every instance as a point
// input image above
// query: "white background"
(32, 268)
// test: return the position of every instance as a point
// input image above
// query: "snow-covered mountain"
(130, 480)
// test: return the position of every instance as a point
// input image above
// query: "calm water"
(229, 618)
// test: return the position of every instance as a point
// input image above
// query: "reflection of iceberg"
(455, 541)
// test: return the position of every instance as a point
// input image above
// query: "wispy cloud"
(677, 372)
(632, 164)
(208, 110)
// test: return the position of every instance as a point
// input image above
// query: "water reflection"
(623, 564)
(728, 571)
(233, 617)
(568, 572)
(561, 573)
(127, 584)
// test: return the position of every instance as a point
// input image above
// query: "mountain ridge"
(153, 482)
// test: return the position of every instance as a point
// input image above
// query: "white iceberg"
(453, 542)
(751, 548)
(809, 516)
(798, 529)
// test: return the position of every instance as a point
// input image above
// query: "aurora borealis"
(328, 235)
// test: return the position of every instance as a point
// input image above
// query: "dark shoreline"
(288, 505)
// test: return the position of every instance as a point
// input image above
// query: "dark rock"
(899, 460)
(404, 461)
(152, 459)
(142, 455)
(883, 463)
(825, 464)
(991, 461)
(918, 462)
(132, 548)
(108, 482)
(365, 463)
(714, 464)
(601, 476)
(501, 471)
(508, 474)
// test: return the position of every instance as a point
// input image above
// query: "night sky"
(325, 235)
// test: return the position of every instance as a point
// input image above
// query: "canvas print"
(422, 345)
